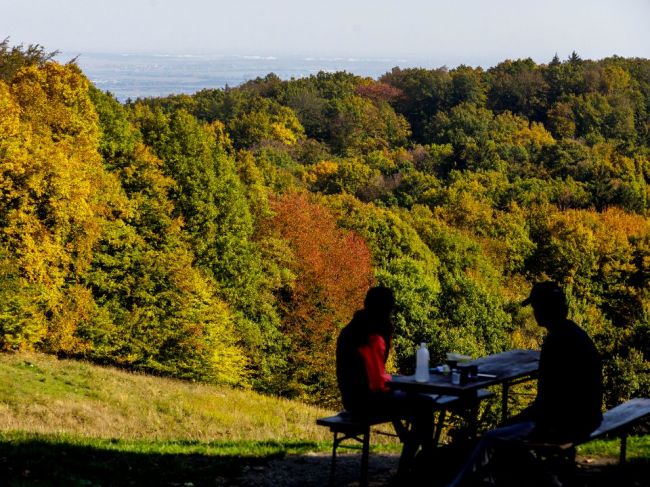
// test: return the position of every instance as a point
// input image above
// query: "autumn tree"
(331, 272)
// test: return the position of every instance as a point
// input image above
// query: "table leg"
(473, 418)
(623, 452)
(504, 401)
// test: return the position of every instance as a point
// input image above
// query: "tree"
(218, 224)
(13, 58)
(519, 87)
(425, 92)
(332, 272)
(265, 121)
(468, 86)
(158, 312)
(357, 125)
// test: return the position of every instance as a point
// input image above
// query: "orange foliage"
(378, 91)
(333, 271)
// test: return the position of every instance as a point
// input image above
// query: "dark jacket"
(569, 388)
(351, 372)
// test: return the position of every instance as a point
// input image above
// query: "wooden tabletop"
(505, 366)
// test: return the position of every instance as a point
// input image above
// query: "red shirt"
(374, 355)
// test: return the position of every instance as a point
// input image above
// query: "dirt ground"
(312, 470)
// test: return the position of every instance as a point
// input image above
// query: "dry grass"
(41, 394)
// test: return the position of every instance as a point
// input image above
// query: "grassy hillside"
(44, 395)
(66, 422)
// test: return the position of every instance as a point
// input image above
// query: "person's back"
(569, 392)
(569, 388)
(350, 368)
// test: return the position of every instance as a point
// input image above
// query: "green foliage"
(22, 322)
(265, 121)
(518, 86)
(13, 58)
(167, 235)
(417, 293)
(425, 93)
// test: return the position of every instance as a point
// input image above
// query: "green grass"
(77, 461)
(40, 394)
(65, 422)
(638, 447)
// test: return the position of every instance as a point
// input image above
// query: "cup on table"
(454, 359)
(464, 370)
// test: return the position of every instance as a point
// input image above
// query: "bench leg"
(335, 444)
(363, 481)
(401, 430)
(623, 452)
(472, 422)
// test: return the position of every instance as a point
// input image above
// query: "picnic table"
(506, 368)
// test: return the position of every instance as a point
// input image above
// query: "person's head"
(380, 301)
(548, 302)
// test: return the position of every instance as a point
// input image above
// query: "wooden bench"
(345, 426)
(617, 422)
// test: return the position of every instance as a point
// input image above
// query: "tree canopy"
(228, 235)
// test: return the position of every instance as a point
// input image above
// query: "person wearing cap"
(569, 391)
(569, 387)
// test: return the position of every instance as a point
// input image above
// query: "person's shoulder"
(571, 327)
(355, 324)
(577, 335)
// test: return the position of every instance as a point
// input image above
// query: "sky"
(475, 32)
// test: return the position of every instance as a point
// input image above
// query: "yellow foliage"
(283, 133)
(533, 135)
(629, 224)
(615, 78)
(320, 171)
(55, 190)
(213, 334)
(220, 134)
(76, 306)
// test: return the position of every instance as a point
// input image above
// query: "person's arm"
(373, 354)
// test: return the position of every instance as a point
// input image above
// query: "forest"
(228, 235)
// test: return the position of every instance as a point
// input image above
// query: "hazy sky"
(452, 31)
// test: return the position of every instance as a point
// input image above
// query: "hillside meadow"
(40, 394)
(66, 422)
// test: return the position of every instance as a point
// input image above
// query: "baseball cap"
(547, 292)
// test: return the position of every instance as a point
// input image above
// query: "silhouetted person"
(361, 352)
(569, 387)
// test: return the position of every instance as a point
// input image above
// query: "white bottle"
(422, 363)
